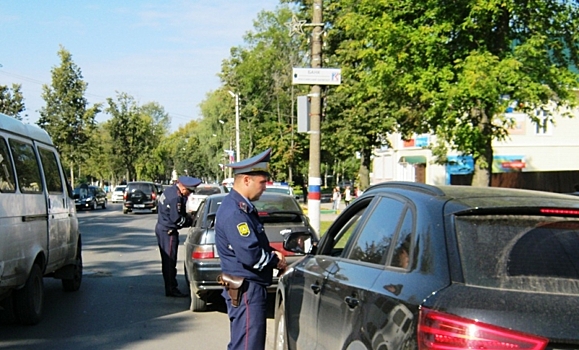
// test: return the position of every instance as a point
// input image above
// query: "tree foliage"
(448, 68)
(260, 72)
(132, 134)
(12, 101)
(67, 117)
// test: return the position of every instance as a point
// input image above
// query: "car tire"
(280, 340)
(198, 303)
(73, 284)
(125, 211)
(94, 205)
(104, 206)
(29, 301)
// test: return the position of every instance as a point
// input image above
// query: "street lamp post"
(230, 146)
(236, 124)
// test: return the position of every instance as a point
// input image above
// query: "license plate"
(139, 205)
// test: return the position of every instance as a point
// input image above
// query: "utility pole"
(314, 76)
(314, 178)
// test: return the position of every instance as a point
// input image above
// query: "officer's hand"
(282, 264)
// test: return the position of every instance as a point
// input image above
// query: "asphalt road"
(121, 303)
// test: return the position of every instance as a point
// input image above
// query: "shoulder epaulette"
(243, 206)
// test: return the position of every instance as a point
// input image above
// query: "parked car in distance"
(280, 214)
(89, 197)
(141, 195)
(118, 194)
(279, 187)
(414, 266)
(200, 193)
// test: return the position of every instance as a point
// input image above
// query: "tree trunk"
(484, 163)
(364, 173)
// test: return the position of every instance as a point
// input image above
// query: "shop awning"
(412, 159)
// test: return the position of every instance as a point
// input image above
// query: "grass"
(324, 225)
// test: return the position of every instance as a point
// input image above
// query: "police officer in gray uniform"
(172, 217)
(245, 252)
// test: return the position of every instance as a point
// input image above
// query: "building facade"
(530, 147)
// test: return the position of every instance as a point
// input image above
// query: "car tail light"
(203, 252)
(279, 247)
(438, 330)
(153, 196)
(559, 211)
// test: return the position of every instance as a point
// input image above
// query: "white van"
(39, 233)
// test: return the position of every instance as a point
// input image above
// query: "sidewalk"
(326, 211)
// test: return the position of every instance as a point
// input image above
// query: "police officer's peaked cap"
(257, 164)
(189, 182)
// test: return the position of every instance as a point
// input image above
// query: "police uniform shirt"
(241, 241)
(172, 210)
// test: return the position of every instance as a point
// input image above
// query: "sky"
(165, 51)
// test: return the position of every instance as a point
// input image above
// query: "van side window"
(51, 171)
(27, 167)
(7, 183)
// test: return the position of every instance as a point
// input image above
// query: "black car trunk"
(550, 315)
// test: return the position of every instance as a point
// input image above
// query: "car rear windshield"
(529, 253)
(284, 190)
(276, 203)
(146, 188)
(207, 191)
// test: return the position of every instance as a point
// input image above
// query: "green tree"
(448, 68)
(132, 136)
(12, 102)
(67, 117)
(260, 73)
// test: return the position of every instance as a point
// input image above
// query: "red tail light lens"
(279, 247)
(203, 252)
(153, 196)
(438, 330)
(560, 211)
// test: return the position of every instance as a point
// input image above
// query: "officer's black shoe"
(175, 293)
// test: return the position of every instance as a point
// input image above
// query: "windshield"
(276, 203)
(530, 253)
(207, 191)
(284, 190)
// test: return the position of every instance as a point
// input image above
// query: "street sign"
(317, 76)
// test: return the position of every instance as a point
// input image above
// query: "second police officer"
(245, 252)
(171, 218)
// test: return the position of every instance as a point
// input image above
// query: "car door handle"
(352, 301)
(316, 288)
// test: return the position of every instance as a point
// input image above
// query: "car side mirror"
(298, 242)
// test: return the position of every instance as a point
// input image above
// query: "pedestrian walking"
(336, 198)
(247, 260)
(172, 217)
(347, 196)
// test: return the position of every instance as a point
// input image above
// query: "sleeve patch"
(243, 229)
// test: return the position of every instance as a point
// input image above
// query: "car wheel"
(94, 205)
(29, 301)
(280, 329)
(125, 211)
(73, 284)
(104, 206)
(198, 303)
